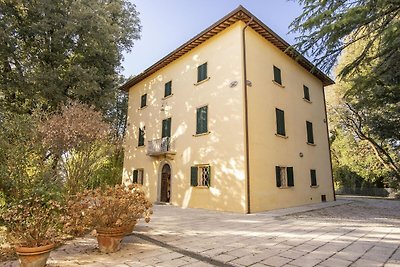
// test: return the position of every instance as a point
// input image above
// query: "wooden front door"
(165, 193)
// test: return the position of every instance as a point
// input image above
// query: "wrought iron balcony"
(160, 147)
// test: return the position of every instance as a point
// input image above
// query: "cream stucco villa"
(199, 136)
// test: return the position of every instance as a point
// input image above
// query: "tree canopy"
(55, 51)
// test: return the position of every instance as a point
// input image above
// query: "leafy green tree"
(330, 26)
(55, 51)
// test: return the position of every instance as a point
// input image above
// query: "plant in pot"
(112, 212)
(33, 227)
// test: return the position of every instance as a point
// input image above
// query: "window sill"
(141, 146)
(143, 107)
(282, 136)
(202, 81)
(306, 100)
(310, 144)
(285, 187)
(201, 187)
(202, 134)
(280, 85)
(166, 97)
(314, 186)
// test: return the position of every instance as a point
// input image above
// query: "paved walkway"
(348, 232)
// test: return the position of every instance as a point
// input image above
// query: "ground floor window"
(200, 175)
(138, 176)
(284, 176)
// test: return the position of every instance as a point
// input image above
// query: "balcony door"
(166, 128)
(165, 192)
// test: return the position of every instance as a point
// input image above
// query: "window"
(166, 128)
(201, 120)
(168, 89)
(310, 135)
(313, 175)
(280, 122)
(141, 137)
(143, 101)
(138, 176)
(284, 176)
(306, 93)
(277, 75)
(202, 72)
(200, 175)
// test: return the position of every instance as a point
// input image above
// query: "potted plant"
(33, 227)
(112, 212)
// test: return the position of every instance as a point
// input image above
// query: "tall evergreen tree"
(55, 51)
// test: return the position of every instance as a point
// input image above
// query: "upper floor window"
(277, 75)
(310, 134)
(201, 120)
(143, 101)
(284, 176)
(200, 175)
(306, 91)
(138, 176)
(168, 89)
(313, 176)
(202, 72)
(280, 122)
(141, 137)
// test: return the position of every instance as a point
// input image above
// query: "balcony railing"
(163, 146)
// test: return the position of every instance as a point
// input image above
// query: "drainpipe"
(329, 145)
(246, 116)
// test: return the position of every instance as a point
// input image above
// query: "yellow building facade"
(199, 136)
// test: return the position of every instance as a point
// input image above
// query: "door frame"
(162, 163)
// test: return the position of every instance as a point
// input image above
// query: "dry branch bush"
(112, 207)
(79, 141)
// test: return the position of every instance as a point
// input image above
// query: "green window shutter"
(310, 134)
(193, 176)
(280, 122)
(277, 75)
(278, 176)
(290, 177)
(141, 137)
(143, 101)
(201, 120)
(135, 176)
(166, 128)
(306, 92)
(168, 89)
(202, 72)
(313, 175)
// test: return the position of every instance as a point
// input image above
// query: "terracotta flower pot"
(109, 238)
(34, 257)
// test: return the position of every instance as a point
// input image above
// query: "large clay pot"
(34, 257)
(129, 227)
(109, 239)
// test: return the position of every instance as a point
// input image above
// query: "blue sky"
(168, 24)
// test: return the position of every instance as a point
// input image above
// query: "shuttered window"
(135, 176)
(280, 122)
(313, 175)
(168, 89)
(306, 92)
(141, 137)
(166, 128)
(310, 134)
(202, 72)
(277, 75)
(143, 101)
(200, 175)
(202, 120)
(284, 176)
(138, 176)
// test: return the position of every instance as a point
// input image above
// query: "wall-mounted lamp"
(301, 154)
